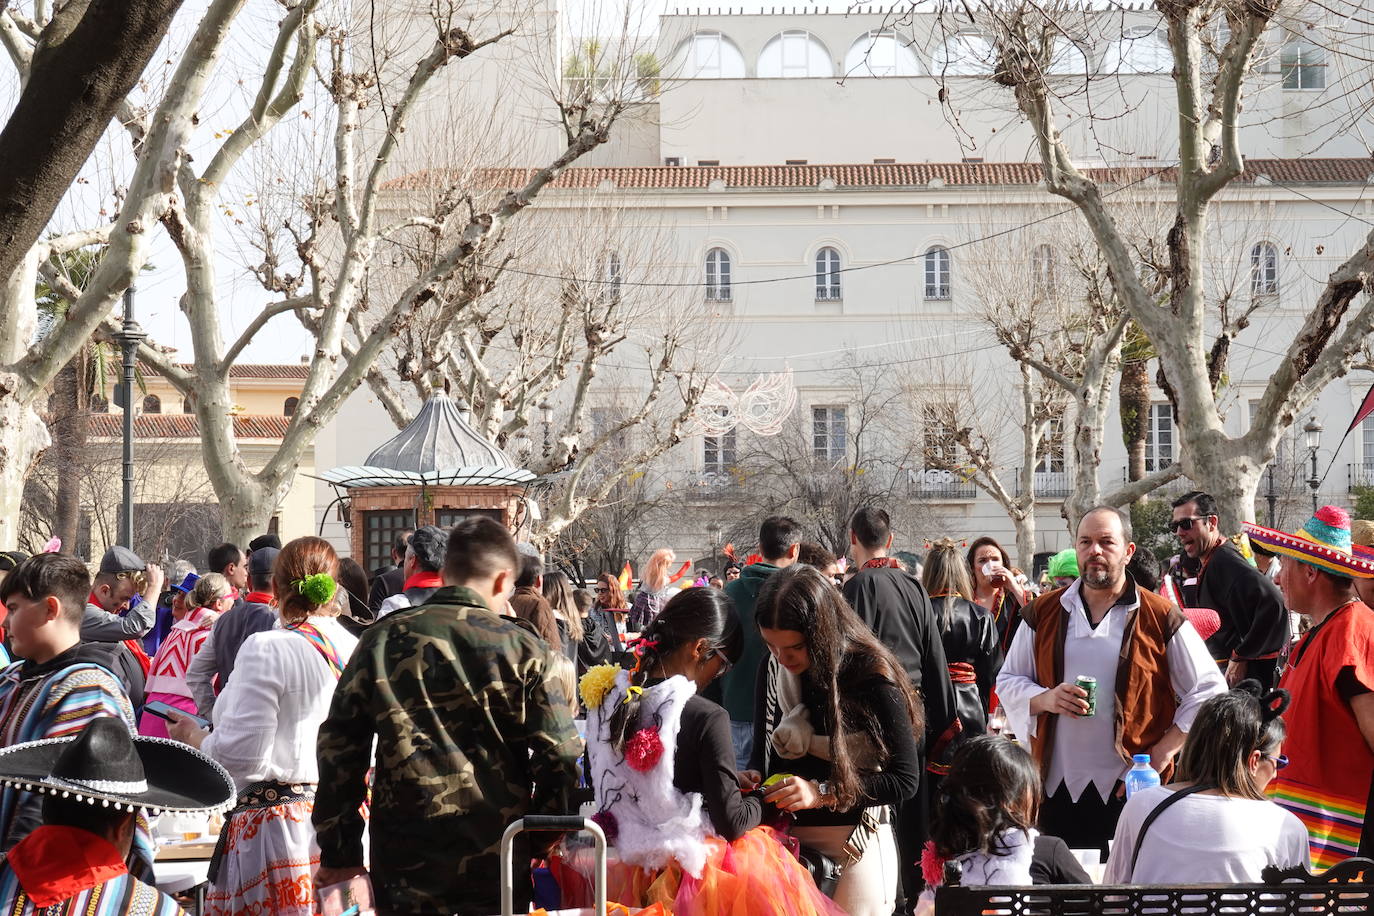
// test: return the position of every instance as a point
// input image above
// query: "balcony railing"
(937, 484)
(1361, 475)
(1048, 484)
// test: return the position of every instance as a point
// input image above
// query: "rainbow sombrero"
(1323, 542)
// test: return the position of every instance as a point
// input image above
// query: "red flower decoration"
(644, 750)
(932, 865)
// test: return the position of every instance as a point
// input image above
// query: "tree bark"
(18, 452)
(1133, 392)
(86, 62)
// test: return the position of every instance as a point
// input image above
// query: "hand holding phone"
(172, 714)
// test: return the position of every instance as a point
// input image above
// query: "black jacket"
(971, 639)
(896, 608)
(1254, 622)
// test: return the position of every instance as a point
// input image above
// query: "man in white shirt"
(1144, 706)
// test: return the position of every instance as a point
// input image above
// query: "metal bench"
(1344, 890)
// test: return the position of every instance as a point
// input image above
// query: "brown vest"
(1142, 688)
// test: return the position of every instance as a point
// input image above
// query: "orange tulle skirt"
(753, 876)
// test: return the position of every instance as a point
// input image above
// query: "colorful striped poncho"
(1328, 784)
(65, 871)
(53, 700)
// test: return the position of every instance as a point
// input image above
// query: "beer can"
(1089, 686)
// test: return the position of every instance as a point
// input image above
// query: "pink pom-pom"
(53, 545)
(932, 865)
(608, 824)
(644, 750)
(1334, 516)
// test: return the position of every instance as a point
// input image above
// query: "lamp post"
(1269, 495)
(714, 531)
(129, 336)
(546, 418)
(1312, 438)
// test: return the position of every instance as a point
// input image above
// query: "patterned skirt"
(266, 859)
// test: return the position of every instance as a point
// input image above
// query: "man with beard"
(1254, 622)
(1152, 675)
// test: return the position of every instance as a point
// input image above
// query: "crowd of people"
(843, 734)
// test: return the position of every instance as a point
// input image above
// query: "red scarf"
(57, 863)
(424, 580)
(259, 598)
(882, 563)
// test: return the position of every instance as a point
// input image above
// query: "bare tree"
(1210, 77)
(75, 80)
(585, 360)
(321, 238)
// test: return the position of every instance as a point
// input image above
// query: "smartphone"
(167, 711)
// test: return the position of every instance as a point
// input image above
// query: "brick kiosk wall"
(428, 504)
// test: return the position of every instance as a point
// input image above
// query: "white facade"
(822, 266)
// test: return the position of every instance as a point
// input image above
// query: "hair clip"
(633, 691)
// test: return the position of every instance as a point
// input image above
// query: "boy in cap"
(120, 610)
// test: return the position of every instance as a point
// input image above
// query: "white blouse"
(267, 719)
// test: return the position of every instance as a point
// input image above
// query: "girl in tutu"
(666, 788)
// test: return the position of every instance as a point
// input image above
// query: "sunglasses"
(725, 665)
(602, 590)
(1280, 761)
(1186, 524)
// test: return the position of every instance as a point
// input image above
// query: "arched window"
(827, 275)
(611, 288)
(937, 273)
(712, 56)
(1068, 58)
(152, 404)
(289, 407)
(880, 53)
(794, 54)
(1043, 270)
(718, 275)
(1142, 49)
(1264, 270)
(1303, 65)
(964, 54)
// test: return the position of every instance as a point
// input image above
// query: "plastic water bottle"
(1141, 775)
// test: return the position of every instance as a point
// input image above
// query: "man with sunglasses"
(1254, 622)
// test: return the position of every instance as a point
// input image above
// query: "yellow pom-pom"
(596, 683)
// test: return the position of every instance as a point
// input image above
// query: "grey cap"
(429, 544)
(120, 559)
(260, 563)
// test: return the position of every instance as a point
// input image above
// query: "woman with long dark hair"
(667, 794)
(984, 820)
(995, 587)
(967, 632)
(1215, 825)
(850, 735)
(610, 609)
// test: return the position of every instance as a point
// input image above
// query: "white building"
(804, 170)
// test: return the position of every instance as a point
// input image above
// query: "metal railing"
(939, 484)
(1361, 475)
(1048, 484)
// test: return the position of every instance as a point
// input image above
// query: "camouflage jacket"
(471, 735)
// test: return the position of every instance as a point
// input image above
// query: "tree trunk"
(1025, 539)
(1134, 408)
(1087, 455)
(75, 85)
(69, 445)
(23, 437)
(245, 513)
(1233, 480)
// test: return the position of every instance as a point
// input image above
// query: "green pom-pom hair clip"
(317, 589)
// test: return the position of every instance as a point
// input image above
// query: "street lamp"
(714, 531)
(1312, 438)
(129, 336)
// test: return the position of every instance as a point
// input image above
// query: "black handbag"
(824, 870)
